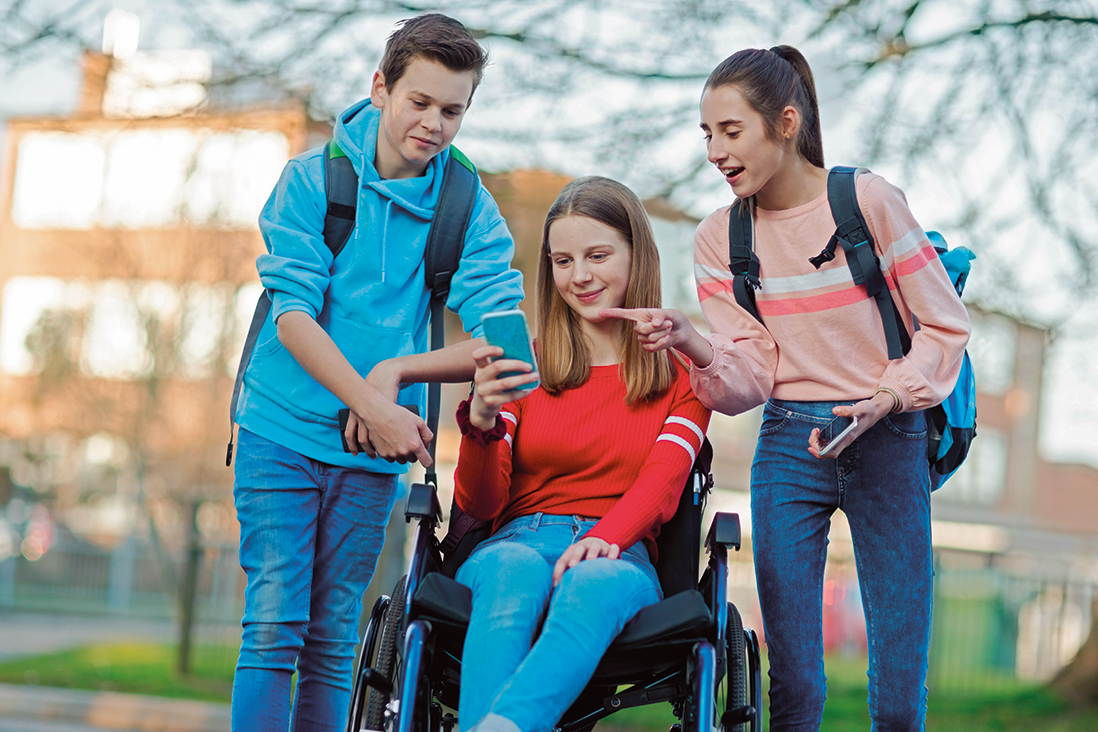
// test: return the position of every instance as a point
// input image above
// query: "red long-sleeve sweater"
(585, 452)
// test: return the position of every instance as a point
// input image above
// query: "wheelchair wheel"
(392, 629)
(736, 678)
(367, 652)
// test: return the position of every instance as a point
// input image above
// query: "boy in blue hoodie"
(351, 331)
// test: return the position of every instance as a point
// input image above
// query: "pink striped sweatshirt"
(823, 339)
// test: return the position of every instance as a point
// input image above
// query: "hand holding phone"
(508, 330)
(828, 439)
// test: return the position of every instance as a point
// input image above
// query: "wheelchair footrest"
(637, 697)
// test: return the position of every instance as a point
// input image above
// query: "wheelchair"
(690, 650)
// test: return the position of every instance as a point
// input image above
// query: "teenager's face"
(736, 141)
(419, 117)
(591, 265)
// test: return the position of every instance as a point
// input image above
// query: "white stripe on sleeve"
(682, 443)
(687, 423)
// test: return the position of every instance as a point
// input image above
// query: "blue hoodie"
(371, 299)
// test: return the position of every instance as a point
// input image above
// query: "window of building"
(981, 479)
(993, 347)
(145, 178)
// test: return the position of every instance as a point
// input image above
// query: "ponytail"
(770, 81)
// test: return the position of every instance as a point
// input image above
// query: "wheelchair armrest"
(423, 503)
(724, 531)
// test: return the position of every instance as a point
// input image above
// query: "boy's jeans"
(881, 482)
(509, 681)
(310, 535)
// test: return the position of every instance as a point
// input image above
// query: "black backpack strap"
(742, 260)
(852, 232)
(341, 192)
(445, 242)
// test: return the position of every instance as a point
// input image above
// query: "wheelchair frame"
(406, 661)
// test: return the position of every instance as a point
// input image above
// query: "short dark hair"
(436, 37)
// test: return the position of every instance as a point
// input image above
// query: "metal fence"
(990, 628)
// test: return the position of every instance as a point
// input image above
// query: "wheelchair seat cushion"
(682, 614)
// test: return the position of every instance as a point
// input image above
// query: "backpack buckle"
(826, 255)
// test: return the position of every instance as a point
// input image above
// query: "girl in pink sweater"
(819, 355)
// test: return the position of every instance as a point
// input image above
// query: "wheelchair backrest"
(679, 540)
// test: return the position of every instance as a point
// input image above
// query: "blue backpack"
(951, 425)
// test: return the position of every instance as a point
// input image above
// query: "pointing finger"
(633, 314)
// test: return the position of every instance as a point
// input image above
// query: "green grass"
(1001, 707)
(136, 668)
(150, 669)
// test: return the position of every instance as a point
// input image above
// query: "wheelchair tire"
(736, 678)
(392, 630)
(367, 651)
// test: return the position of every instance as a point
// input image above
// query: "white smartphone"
(508, 330)
(827, 440)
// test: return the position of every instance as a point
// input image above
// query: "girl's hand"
(868, 412)
(490, 391)
(658, 329)
(589, 547)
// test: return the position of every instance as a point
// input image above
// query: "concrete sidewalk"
(109, 710)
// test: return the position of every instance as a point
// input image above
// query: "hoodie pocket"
(276, 374)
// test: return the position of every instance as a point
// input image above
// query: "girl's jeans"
(881, 483)
(511, 682)
(310, 534)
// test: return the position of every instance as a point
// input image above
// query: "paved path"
(40, 709)
(44, 709)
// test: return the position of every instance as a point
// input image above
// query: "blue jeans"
(310, 535)
(511, 681)
(881, 482)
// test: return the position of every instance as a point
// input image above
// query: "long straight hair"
(564, 360)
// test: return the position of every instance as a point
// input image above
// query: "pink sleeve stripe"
(707, 290)
(917, 261)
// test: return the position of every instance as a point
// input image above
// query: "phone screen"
(509, 331)
(834, 431)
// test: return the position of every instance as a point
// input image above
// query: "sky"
(1069, 406)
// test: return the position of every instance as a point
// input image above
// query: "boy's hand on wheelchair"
(589, 547)
(394, 434)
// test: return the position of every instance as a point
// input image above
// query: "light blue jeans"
(882, 483)
(310, 535)
(509, 680)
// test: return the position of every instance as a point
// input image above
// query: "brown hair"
(436, 37)
(770, 81)
(563, 359)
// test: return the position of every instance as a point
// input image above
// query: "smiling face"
(591, 264)
(737, 141)
(420, 116)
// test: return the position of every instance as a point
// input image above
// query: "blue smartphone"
(834, 431)
(508, 330)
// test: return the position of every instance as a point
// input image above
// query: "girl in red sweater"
(577, 476)
(820, 352)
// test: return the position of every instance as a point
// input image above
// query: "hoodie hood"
(356, 131)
